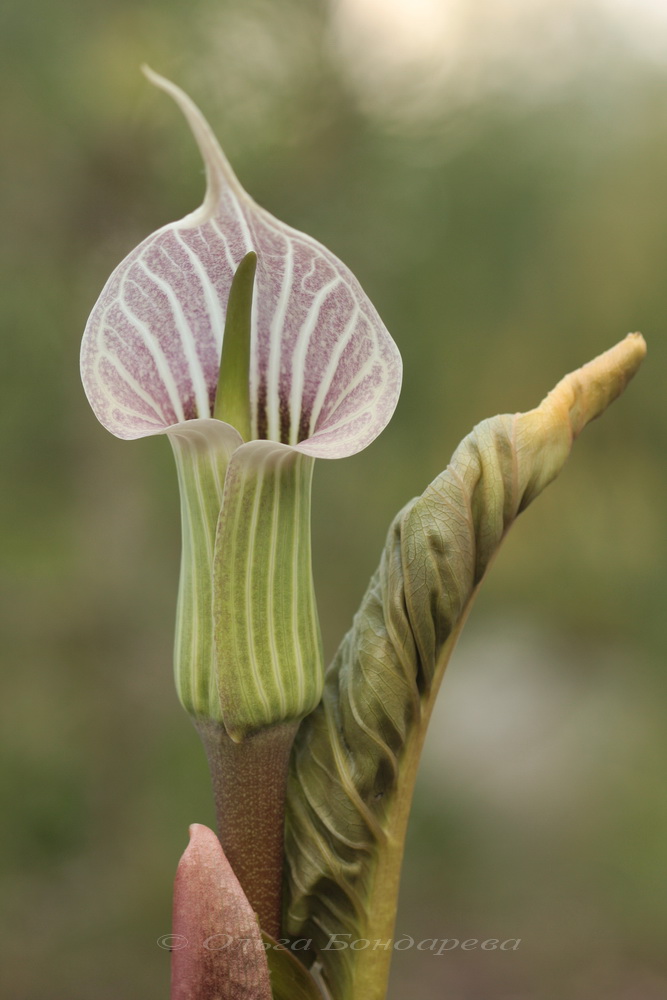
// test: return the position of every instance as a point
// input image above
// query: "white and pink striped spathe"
(324, 375)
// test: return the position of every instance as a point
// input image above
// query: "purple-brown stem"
(249, 780)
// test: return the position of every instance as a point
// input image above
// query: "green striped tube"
(267, 634)
(202, 449)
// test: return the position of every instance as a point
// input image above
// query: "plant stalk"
(371, 974)
(249, 780)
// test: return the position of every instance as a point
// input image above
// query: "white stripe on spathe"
(194, 367)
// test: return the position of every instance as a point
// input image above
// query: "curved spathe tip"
(219, 172)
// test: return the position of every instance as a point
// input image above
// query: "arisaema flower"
(308, 371)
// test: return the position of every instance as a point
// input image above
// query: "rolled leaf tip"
(587, 392)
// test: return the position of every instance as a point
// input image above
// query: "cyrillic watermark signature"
(339, 942)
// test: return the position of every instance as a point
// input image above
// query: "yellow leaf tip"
(627, 355)
(585, 393)
(637, 342)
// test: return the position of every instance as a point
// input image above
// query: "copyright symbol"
(172, 942)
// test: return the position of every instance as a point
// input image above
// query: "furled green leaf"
(290, 980)
(356, 756)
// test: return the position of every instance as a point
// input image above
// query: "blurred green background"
(495, 173)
